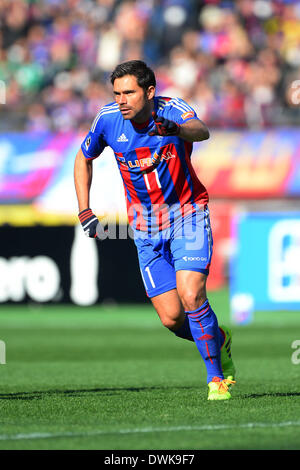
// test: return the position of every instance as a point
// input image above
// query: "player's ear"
(151, 92)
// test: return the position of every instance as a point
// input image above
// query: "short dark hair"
(144, 75)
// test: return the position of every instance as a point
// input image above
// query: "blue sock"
(184, 331)
(206, 333)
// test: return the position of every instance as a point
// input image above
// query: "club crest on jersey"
(188, 114)
(87, 143)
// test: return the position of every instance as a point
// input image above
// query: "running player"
(152, 139)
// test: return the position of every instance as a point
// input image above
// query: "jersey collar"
(144, 125)
(141, 125)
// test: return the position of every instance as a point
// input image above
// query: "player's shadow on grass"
(275, 394)
(37, 395)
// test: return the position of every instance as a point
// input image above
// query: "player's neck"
(142, 119)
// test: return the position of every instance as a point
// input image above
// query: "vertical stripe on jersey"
(127, 195)
(153, 185)
(133, 201)
(199, 193)
(180, 183)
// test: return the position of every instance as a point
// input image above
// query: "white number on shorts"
(149, 275)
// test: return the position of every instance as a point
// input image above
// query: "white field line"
(205, 427)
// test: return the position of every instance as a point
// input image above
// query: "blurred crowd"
(237, 62)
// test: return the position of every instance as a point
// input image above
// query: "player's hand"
(163, 126)
(92, 226)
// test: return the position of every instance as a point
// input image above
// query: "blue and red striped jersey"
(152, 194)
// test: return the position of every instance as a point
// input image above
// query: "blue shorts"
(185, 245)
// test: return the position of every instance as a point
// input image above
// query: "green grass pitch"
(111, 377)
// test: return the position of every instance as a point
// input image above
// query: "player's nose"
(123, 98)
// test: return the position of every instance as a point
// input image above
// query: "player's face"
(134, 102)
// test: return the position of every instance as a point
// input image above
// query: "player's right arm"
(91, 148)
(83, 174)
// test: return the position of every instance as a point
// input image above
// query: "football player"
(152, 139)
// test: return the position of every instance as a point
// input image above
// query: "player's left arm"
(193, 130)
(180, 119)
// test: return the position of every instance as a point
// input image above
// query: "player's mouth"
(125, 110)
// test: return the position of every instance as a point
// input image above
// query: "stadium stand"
(235, 62)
